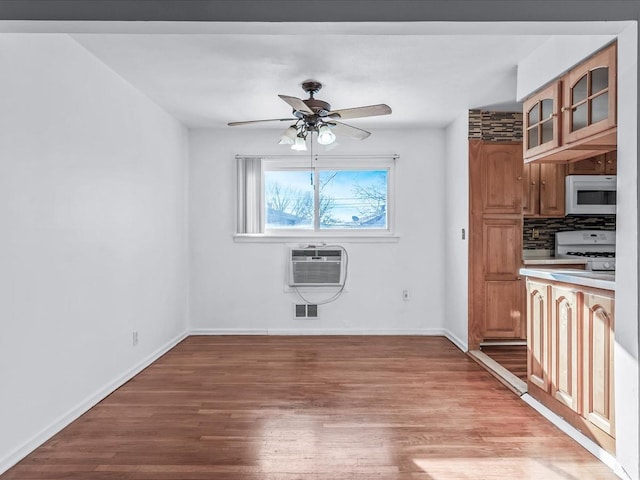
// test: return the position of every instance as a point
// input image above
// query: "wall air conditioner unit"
(316, 267)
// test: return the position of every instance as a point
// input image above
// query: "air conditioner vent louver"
(315, 267)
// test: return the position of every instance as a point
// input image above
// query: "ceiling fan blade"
(297, 104)
(359, 112)
(233, 124)
(340, 128)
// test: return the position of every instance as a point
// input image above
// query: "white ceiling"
(209, 74)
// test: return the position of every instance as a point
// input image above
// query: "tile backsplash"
(495, 126)
(547, 228)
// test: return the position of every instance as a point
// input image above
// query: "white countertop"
(545, 257)
(585, 278)
(554, 261)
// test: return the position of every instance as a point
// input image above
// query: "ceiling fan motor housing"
(319, 107)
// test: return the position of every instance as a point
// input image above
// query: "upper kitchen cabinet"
(575, 117)
(589, 100)
(541, 121)
(543, 190)
(606, 164)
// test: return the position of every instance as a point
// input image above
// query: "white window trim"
(373, 162)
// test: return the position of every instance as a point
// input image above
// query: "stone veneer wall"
(547, 228)
(495, 126)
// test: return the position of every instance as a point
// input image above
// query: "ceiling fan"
(315, 116)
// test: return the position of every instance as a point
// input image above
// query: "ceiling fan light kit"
(325, 135)
(289, 136)
(300, 144)
(315, 116)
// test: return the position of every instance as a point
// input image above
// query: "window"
(332, 196)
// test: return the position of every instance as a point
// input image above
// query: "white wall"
(239, 287)
(626, 315)
(627, 261)
(456, 204)
(93, 243)
(554, 57)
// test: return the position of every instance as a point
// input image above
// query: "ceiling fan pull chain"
(311, 157)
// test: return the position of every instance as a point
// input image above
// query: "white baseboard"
(61, 422)
(461, 344)
(588, 444)
(316, 331)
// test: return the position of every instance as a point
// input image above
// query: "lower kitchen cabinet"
(598, 328)
(565, 359)
(570, 337)
(537, 334)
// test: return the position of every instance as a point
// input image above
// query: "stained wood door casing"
(538, 334)
(598, 341)
(565, 348)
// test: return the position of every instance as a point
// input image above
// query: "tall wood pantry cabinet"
(496, 291)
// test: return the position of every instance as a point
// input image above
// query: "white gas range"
(597, 246)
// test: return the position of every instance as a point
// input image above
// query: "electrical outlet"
(134, 338)
(405, 295)
(535, 233)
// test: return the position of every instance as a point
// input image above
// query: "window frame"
(335, 164)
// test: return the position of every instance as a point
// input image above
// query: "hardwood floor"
(511, 357)
(315, 408)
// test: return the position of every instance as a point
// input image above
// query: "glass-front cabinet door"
(541, 121)
(589, 103)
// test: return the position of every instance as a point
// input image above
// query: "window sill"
(319, 239)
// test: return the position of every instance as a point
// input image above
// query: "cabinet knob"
(609, 162)
(543, 182)
(599, 162)
(533, 182)
(519, 178)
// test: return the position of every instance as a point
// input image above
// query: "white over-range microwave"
(590, 195)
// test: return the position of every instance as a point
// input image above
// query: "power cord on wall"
(337, 295)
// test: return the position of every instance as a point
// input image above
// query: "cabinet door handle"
(543, 182)
(533, 182)
(599, 162)
(519, 178)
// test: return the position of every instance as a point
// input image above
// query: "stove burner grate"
(593, 254)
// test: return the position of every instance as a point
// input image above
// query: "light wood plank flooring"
(511, 357)
(311, 407)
